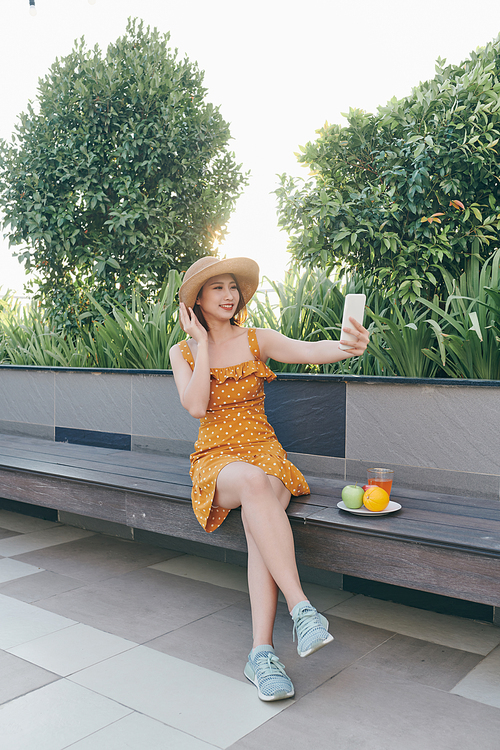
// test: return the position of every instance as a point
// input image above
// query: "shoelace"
(268, 664)
(307, 620)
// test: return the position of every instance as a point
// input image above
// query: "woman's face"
(219, 297)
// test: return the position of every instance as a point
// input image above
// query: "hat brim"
(245, 270)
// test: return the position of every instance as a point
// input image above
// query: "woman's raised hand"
(191, 325)
(358, 348)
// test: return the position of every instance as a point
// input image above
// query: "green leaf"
(475, 325)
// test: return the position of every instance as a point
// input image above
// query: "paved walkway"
(108, 644)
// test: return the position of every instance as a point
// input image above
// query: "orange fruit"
(375, 498)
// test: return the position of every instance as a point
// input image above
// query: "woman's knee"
(246, 481)
(252, 480)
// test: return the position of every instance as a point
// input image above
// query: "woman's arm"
(274, 345)
(193, 385)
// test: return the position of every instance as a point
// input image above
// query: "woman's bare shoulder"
(176, 349)
(267, 334)
(175, 354)
(190, 342)
(267, 338)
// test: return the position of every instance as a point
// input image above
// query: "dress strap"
(253, 343)
(186, 353)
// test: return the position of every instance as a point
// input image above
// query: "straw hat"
(245, 270)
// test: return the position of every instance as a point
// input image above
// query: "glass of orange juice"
(382, 478)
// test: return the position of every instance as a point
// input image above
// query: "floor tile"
(46, 584)
(235, 577)
(221, 643)
(19, 677)
(12, 569)
(455, 632)
(21, 622)
(210, 706)
(96, 557)
(323, 598)
(74, 670)
(24, 524)
(209, 571)
(364, 709)
(6, 534)
(419, 661)
(71, 649)
(55, 716)
(18, 545)
(143, 604)
(138, 732)
(483, 683)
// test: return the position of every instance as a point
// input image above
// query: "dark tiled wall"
(93, 437)
(308, 416)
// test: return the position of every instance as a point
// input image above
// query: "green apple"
(352, 496)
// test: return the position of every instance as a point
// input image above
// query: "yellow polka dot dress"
(235, 428)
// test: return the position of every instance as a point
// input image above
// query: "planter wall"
(438, 435)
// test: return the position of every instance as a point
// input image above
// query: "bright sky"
(277, 68)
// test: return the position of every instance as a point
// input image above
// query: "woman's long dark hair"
(238, 318)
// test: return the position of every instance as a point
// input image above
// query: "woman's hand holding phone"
(354, 311)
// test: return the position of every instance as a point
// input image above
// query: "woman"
(238, 461)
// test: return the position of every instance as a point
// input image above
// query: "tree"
(406, 192)
(121, 174)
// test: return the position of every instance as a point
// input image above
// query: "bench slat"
(401, 526)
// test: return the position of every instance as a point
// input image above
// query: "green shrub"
(408, 191)
(467, 330)
(119, 173)
(138, 336)
(28, 337)
(135, 336)
(458, 337)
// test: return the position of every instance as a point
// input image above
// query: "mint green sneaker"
(310, 627)
(268, 674)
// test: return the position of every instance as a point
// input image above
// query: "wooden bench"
(443, 544)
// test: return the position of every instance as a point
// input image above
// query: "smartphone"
(354, 307)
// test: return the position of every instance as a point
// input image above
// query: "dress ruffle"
(243, 370)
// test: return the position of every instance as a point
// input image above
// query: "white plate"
(393, 506)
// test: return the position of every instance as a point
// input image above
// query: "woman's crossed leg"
(271, 550)
(271, 564)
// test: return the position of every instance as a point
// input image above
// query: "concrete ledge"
(182, 448)
(432, 479)
(27, 429)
